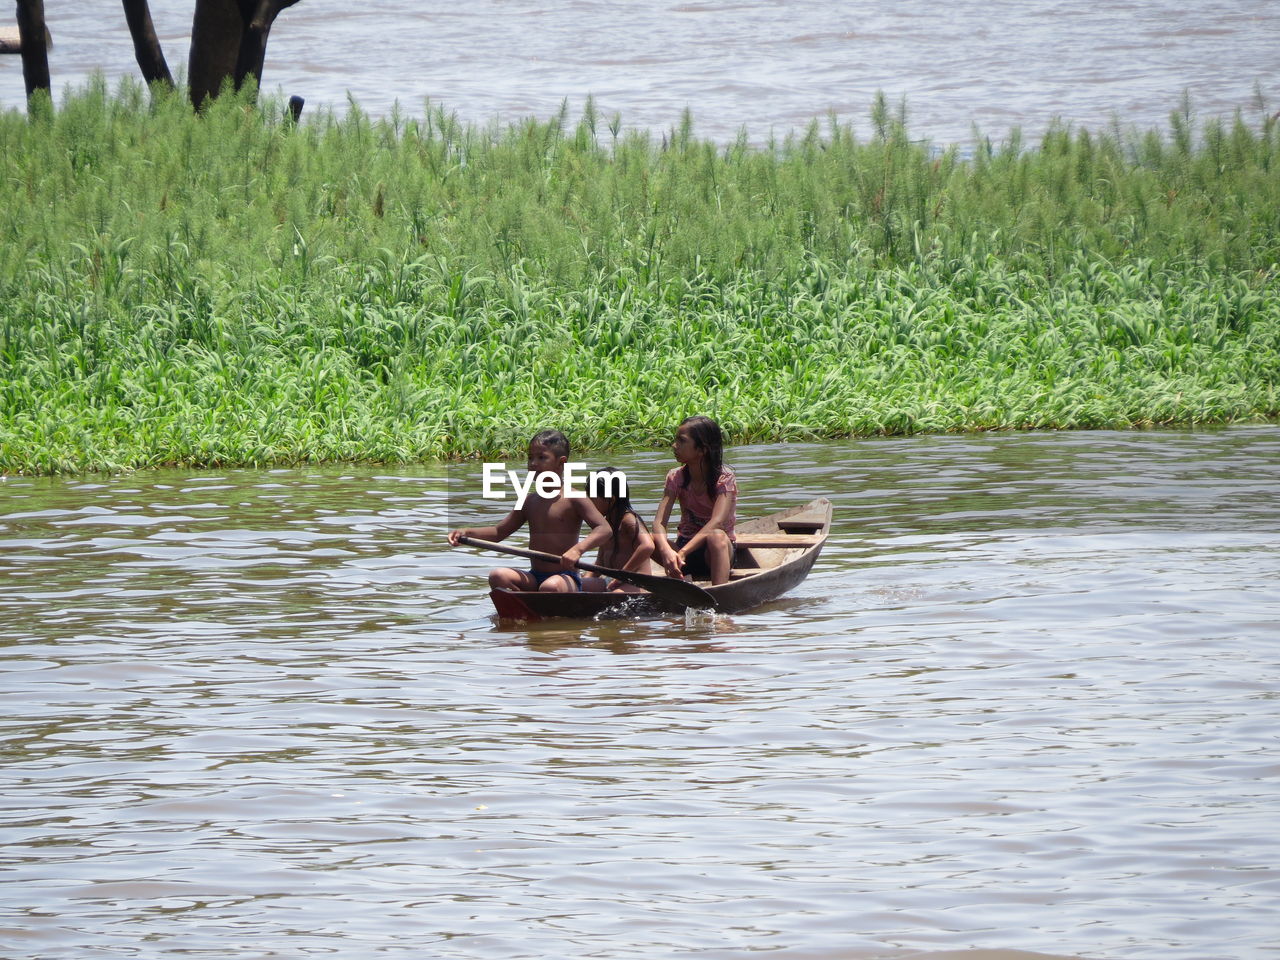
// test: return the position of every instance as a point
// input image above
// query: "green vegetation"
(232, 289)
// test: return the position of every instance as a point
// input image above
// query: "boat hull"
(775, 554)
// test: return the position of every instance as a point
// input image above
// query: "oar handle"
(535, 555)
(682, 591)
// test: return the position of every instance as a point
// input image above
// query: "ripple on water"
(1023, 706)
(765, 66)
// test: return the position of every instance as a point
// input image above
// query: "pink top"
(695, 505)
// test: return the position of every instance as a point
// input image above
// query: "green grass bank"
(232, 289)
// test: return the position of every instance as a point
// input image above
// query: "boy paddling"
(554, 524)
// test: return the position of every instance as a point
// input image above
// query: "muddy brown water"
(1025, 704)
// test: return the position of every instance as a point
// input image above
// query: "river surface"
(1026, 703)
(770, 66)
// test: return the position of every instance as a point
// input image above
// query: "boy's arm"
(600, 532)
(508, 525)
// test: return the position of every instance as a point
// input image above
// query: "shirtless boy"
(554, 525)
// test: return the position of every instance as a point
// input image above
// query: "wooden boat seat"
(807, 523)
(775, 540)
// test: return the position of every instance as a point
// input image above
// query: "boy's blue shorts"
(573, 575)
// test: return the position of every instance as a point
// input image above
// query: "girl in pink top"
(708, 494)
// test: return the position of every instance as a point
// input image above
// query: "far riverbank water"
(1025, 703)
(767, 65)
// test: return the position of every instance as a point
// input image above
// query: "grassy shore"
(231, 289)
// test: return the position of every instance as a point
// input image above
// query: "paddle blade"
(686, 593)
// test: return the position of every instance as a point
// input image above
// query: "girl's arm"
(638, 562)
(721, 510)
(662, 551)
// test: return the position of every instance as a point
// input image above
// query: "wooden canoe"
(773, 554)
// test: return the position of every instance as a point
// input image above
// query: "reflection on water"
(766, 65)
(1025, 703)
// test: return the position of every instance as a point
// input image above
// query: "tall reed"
(232, 289)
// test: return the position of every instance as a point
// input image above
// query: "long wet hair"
(620, 506)
(707, 436)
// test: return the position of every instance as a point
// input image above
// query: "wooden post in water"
(35, 52)
(10, 40)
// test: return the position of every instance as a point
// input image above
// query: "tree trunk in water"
(253, 48)
(215, 47)
(35, 55)
(229, 42)
(146, 45)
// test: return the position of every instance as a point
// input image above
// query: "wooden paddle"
(683, 592)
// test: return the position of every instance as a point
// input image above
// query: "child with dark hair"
(554, 525)
(707, 491)
(631, 545)
(553, 440)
